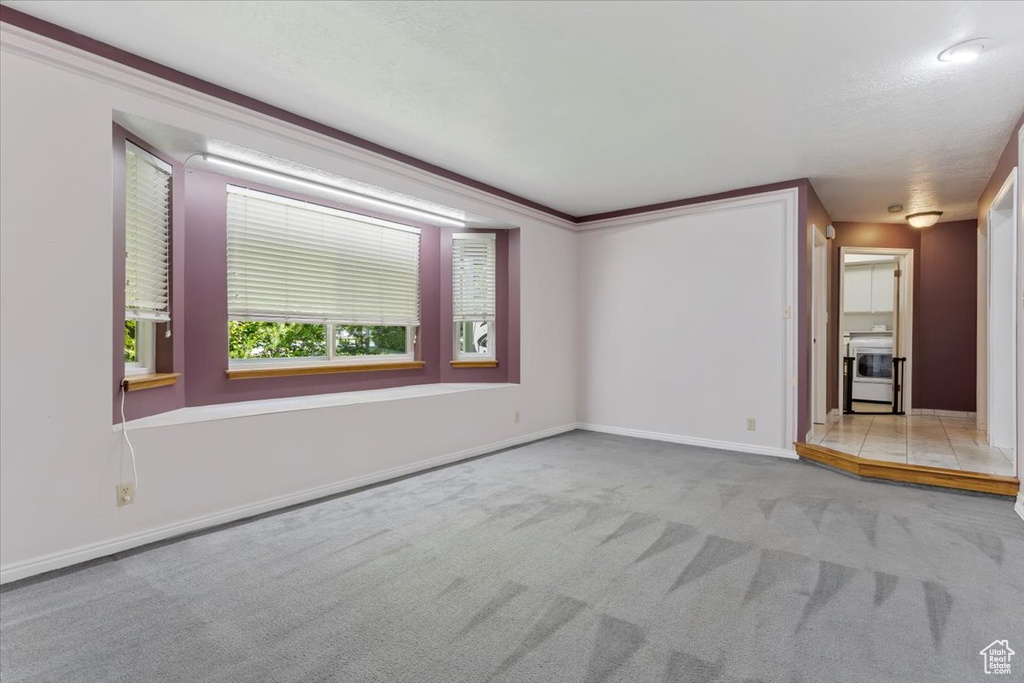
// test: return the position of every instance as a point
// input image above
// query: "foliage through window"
(268, 340)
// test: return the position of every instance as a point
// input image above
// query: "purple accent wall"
(815, 214)
(171, 352)
(447, 333)
(207, 301)
(512, 358)
(948, 317)
(945, 307)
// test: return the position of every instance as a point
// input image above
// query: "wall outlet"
(125, 493)
(751, 424)
(515, 417)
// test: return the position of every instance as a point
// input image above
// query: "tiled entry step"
(946, 442)
(912, 474)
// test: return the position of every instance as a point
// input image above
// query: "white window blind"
(146, 233)
(474, 274)
(292, 261)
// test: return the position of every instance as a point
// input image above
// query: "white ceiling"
(590, 107)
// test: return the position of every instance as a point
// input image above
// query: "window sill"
(159, 379)
(474, 363)
(321, 369)
(227, 411)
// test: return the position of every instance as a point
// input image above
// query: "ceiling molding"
(104, 51)
(60, 34)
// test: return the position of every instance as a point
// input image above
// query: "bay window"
(310, 284)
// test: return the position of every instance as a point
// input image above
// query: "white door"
(819, 334)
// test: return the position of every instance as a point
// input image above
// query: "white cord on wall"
(131, 449)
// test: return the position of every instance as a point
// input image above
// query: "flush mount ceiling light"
(967, 51)
(346, 195)
(924, 219)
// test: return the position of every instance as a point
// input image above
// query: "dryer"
(872, 368)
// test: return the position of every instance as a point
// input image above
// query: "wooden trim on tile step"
(911, 474)
(322, 369)
(159, 379)
(474, 363)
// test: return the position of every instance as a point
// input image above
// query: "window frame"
(491, 355)
(145, 350)
(492, 342)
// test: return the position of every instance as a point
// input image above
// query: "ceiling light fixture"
(895, 208)
(967, 51)
(347, 195)
(924, 219)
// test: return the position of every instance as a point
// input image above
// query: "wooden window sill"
(159, 379)
(474, 363)
(321, 369)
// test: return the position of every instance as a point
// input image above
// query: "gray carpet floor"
(580, 558)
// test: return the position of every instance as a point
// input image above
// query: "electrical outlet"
(751, 424)
(515, 417)
(125, 493)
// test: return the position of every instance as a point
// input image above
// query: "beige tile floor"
(950, 442)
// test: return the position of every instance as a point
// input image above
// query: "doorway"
(875, 317)
(1001, 368)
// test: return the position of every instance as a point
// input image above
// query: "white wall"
(58, 454)
(682, 324)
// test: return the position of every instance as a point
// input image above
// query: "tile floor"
(951, 442)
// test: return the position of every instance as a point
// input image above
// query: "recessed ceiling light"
(895, 208)
(967, 51)
(924, 219)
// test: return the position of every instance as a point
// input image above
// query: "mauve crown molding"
(46, 29)
(9, 15)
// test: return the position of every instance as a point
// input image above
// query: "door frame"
(906, 316)
(1007, 191)
(819, 327)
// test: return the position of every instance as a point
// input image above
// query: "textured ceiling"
(589, 107)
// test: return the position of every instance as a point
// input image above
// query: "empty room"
(564, 342)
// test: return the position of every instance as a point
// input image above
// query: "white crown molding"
(39, 565)
(24, 43)
(787, 195)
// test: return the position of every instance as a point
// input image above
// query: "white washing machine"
(872, 368)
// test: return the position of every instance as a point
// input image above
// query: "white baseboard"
(46, 563)
(1018, 507)
(690, 440)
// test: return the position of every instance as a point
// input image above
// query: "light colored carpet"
(580, 558)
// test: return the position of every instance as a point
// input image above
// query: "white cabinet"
(857, 289)
(882, 286)
(868, 287)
